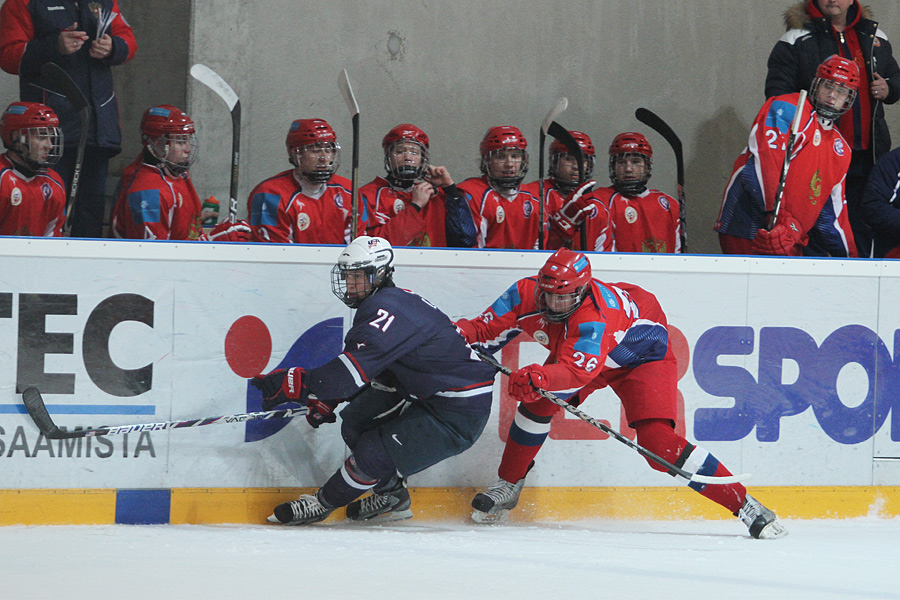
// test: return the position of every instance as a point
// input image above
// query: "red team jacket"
(280, 211)
(152, 205)
(813, 189)
(598, 233)
(32, 207)
(502, 222)
(394, 219)
(648, 222)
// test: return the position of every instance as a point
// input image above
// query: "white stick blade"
(561, 105)
(213, 81)
(347, 92)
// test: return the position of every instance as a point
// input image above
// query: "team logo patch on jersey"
(15, 198)
(339, 200)
(815, 188)
(817, 138)
(527, 208)
(631, 215)
(541, 337)
(399, 205)
(839, 147)
(303, 221)
(501, 215)
(664, 202)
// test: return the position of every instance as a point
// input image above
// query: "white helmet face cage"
(39, 147)
(831, 88)
(570, 183)
(169, 150)
(505, 181)
(364, 266)
(396, 164)
(322, 171)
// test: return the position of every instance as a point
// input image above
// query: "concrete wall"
(456, 68)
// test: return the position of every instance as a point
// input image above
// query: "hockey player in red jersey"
(558, 190)
(156, 199)
(506, 212)
(416, 204)
(640, 219)
(813, 217)
(34, 197)
(310, 203)
(598, 334)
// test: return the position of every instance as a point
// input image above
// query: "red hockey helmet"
(568, 180)
(562, 283)
(835, 86)
(31, 131)
(504, 141)
(316, 135)
(169, 134)
(412, 140)
(630, 144)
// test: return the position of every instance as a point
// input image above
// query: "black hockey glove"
(320, 411)
(280, 386)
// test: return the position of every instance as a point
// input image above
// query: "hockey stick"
(557, 110)
(61, 80)
(562, 134)
(653, 121)
(34, 403)
(673, 470)
(213, 81)
(350, 99)
(792, 138)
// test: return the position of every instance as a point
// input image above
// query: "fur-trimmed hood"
(797, 16)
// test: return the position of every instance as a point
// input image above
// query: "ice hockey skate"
(307, 509)
(762, 522)
(382, 506)
(493, 505)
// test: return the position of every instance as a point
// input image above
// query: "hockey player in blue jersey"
(417, 392)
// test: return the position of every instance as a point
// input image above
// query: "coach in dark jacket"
(881, 204)
(816, 29)
(65, 32)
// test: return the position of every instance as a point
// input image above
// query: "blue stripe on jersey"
(609, 297)
(590, 336)
(507, 301)
(145, 206)
(265, 209)
(780, 115)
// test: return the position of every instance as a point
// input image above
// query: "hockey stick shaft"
(350, 100)
(214, 81)
(34, 404)
(562, 134)
(574, 410)
(557, 110)
(67, 86)
(655, 122)
(792, 139)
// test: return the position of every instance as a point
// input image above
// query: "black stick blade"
(34, 403)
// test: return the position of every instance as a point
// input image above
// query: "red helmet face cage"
(562, 284)
(398, 164)
(164, 127)
(31, 130)
(630, 144)
(504, 141)
(568, 180)
(316, 135)
(834, 89)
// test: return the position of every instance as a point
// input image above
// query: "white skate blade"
(773, 531)
(493, 518)
(394, 515)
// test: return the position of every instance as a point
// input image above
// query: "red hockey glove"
(226, 231)
(577, 207)
(523, 384)
(280, 386)
(781, 240)
(320, 411)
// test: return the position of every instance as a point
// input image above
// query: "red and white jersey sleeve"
(648, 222)
(282, 211)
(503, 222)
(393, 217)
(152, 205)
(32, 206)
(598, 231)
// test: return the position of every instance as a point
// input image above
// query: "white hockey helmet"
(363, 267)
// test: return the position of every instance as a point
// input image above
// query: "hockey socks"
(526, 436)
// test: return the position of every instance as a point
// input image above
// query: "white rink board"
(816, 412)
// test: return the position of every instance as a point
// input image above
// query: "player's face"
(358, 284)
(630, 167)
(316, 157)
(406, 154)
(40, 144)
(179, 149)
(832, 94)
(566, 168)
(506, 163)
